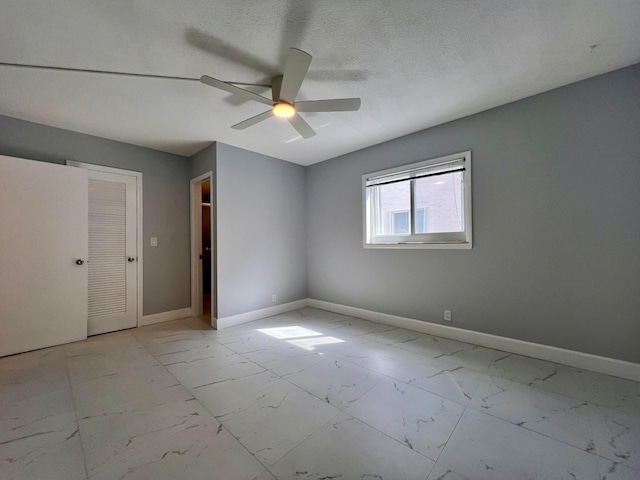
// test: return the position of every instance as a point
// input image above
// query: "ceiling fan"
(284, 89)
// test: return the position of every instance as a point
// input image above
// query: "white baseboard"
(165, 316)
(586, 361)
(233, 320)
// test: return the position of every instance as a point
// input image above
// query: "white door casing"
(134, 248)
(43, 233)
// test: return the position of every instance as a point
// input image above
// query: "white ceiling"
(414, 63)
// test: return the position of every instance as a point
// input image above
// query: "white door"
(113, 255)
(43, 233)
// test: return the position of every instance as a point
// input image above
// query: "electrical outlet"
(274, 298)
(447, 315)
(154, 241)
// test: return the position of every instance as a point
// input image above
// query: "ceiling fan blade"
(212, 82)
(295, 69)
(253, 120)
(303, 128)
(334, 105)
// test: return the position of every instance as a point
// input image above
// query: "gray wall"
(203, 162)
(165, 198)
(556, 257)
(556, 192)
(261, 234)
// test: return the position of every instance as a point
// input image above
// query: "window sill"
(422, 245)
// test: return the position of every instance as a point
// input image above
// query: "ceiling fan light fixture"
(284, 110)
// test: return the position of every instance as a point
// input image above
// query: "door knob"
(79, 262)
(131, 259)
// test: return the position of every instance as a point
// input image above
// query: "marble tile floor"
(308, 395)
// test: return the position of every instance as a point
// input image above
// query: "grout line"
(281, 377)
(343, 410)
(446, 444)
(205, 408)
(75, 413)
(214, 339)
(535, 432)
(355, 338)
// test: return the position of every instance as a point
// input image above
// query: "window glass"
(401, 223)
(394, 197)
(441, 195)
(421, 220)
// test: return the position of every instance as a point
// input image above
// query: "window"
(424, 205)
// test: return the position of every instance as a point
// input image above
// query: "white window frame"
(446, 240)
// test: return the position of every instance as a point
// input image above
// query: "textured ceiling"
(414, 63)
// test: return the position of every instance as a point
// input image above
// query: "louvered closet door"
(112, 252)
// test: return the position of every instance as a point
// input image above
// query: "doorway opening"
(206, 248)
(202, 249)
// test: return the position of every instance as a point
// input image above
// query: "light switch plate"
(154, 241)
